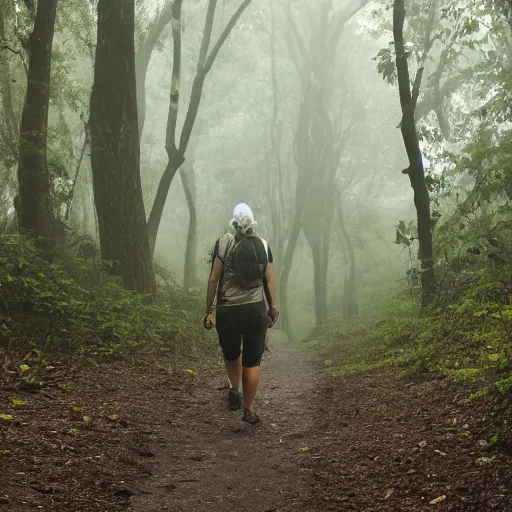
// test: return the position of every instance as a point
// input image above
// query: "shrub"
(73, 304)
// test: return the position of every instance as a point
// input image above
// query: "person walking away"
(242, 276)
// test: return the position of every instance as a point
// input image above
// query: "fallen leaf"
(482, 461)
(438, 500)
(388, 494)
(439, 452)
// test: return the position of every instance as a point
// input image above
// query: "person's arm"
(213, 283)
(270, 292)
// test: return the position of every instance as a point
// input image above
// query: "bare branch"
(207, 34)
(197, 85)
(344, 19)
(170, 140)
(143, 56)
(301, 45)
(161, 20)
(225, 34)
(16, 52)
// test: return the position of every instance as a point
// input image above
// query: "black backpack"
(249, 261)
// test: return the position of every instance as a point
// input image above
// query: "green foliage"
(406, 233)
(19, 402)
(74, 305)
(504, 385)
(468, 340)
(464, 374)
(378, 338)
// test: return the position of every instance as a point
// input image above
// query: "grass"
(469, 342)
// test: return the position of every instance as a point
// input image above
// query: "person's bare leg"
(250, 381)
(234, 371)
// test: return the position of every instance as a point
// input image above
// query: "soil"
(142, 438)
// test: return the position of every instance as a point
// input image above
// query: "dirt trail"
(366, 443)
(388, 445)
(207, 459)
(164, 441)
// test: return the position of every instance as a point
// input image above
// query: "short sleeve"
(215, 252)
(270, 257)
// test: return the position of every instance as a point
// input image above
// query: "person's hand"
(208, 322)
(273, 314)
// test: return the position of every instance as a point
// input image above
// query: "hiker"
(241, 278)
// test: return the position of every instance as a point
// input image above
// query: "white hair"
(243, 219)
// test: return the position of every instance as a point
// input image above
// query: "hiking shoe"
(234, 400)
(250, 417)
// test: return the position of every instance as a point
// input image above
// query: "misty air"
(255, 255)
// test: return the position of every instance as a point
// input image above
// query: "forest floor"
(141, 438)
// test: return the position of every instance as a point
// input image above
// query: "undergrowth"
(467, 341)
(72, 306)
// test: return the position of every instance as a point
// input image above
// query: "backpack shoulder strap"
(226, 244)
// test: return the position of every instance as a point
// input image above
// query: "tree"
(415, 171)
(188, 181)
(115, 148)
(176, 152)
(35, 205)
(9, 122)
(277, 169)
(319, 144)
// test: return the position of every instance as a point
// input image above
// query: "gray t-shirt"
(229, 293)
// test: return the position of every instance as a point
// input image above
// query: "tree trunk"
(9, 129)
(157, 210)
(320, 279)
(277, 202)
(317, 229)
(36, 214)
(285, 272)
(85, 213)
(144, 56)
(349, 300)
(115, 149)
(189, 187)
(415, 170)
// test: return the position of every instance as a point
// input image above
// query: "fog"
(372, 141)
(297, 114)
(235, 162)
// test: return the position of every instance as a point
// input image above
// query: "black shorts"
(247, 323)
